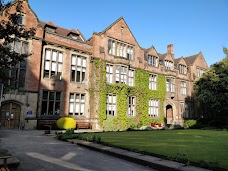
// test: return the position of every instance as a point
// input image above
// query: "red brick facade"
(54, 38)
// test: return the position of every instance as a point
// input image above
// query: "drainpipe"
(42, 47)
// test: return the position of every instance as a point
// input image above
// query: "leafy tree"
(10, 31)
(212, 90)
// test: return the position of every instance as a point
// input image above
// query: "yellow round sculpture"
(66, 123)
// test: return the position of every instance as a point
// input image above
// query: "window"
(20, 47)
(51, 102)
(109, 73)
(153, 82)
(131, 77)
(168, 65)
(121, 74)
(131, 106)
(199, 72)
(17, 75)
(53, 64)
(111, 105)
(182, 69)
(153, 108)
(153, 60)
(18, 72)
(20, 19)
(77, 104)
(170, 84)
(120, 49)
(184, 109)
(78, 69)
(183, 88)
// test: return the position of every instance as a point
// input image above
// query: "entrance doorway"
(169, 114)
(10, 115)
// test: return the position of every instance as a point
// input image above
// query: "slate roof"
(62, 31)
(190, 59)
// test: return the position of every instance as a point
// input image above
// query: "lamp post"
(1, 93)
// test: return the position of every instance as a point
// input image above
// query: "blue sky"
(190, 25)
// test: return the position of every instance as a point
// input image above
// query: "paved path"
(39, 152)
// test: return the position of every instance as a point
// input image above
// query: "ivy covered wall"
(141, 91)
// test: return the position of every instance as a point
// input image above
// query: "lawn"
(204, 147)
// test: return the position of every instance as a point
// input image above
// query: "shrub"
(66, 123)
(69, 134)
(190, 123)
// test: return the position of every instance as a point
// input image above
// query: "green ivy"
(141, 91)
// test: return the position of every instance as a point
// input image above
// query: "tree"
(212, 90)
(10, 31)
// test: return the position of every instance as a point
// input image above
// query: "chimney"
(170, 48)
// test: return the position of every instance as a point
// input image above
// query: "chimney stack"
(170, 48)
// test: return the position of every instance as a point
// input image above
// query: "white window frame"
(153, 61)
(53, 63)
(77, 104)
(153, 82)
(170, 85)
(109, 73)
(169, 65)
(131, 76)
(78, 65)
(183, 87)
(153, 110)
(131, 112)
(111, 102)
(182, 69)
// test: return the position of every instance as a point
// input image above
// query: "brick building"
(108, 80)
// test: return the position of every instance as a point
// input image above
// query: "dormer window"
(168, 65)
(50, 29)
(182, 69)
(153, 60)
(199, 72)
(73, 36)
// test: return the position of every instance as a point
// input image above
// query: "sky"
(190, 25)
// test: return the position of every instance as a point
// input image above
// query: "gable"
(182, 62)
(168, 57)
(152, 51)
(119, 30)
(200, 61)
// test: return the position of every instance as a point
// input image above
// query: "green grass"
(201, 147)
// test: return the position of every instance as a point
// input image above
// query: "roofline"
(107, 28)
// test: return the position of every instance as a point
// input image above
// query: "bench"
(83, 125)
(4, 157)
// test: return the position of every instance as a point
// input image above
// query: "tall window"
(153, 108)
(168, 65)
(153, 82)
(109, 73)
(121, 74)
(120, 49)
(20, 19)
(170, 84)
(78, 69)
(184, 109)
(182, 69)
(77, 104)
(131, 77)
(183, 88)
(153, 60)
(131, 106)
(199, 72)
(111, 105)
(53, 64)
(18, 72)
(51, 102)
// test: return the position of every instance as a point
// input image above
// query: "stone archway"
(10, 115)
(169, 114)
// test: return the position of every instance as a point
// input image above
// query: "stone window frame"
(152, 60)
(53, 67)
(170, 86)
(78, 66)
(183, 87)
(52, 97)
